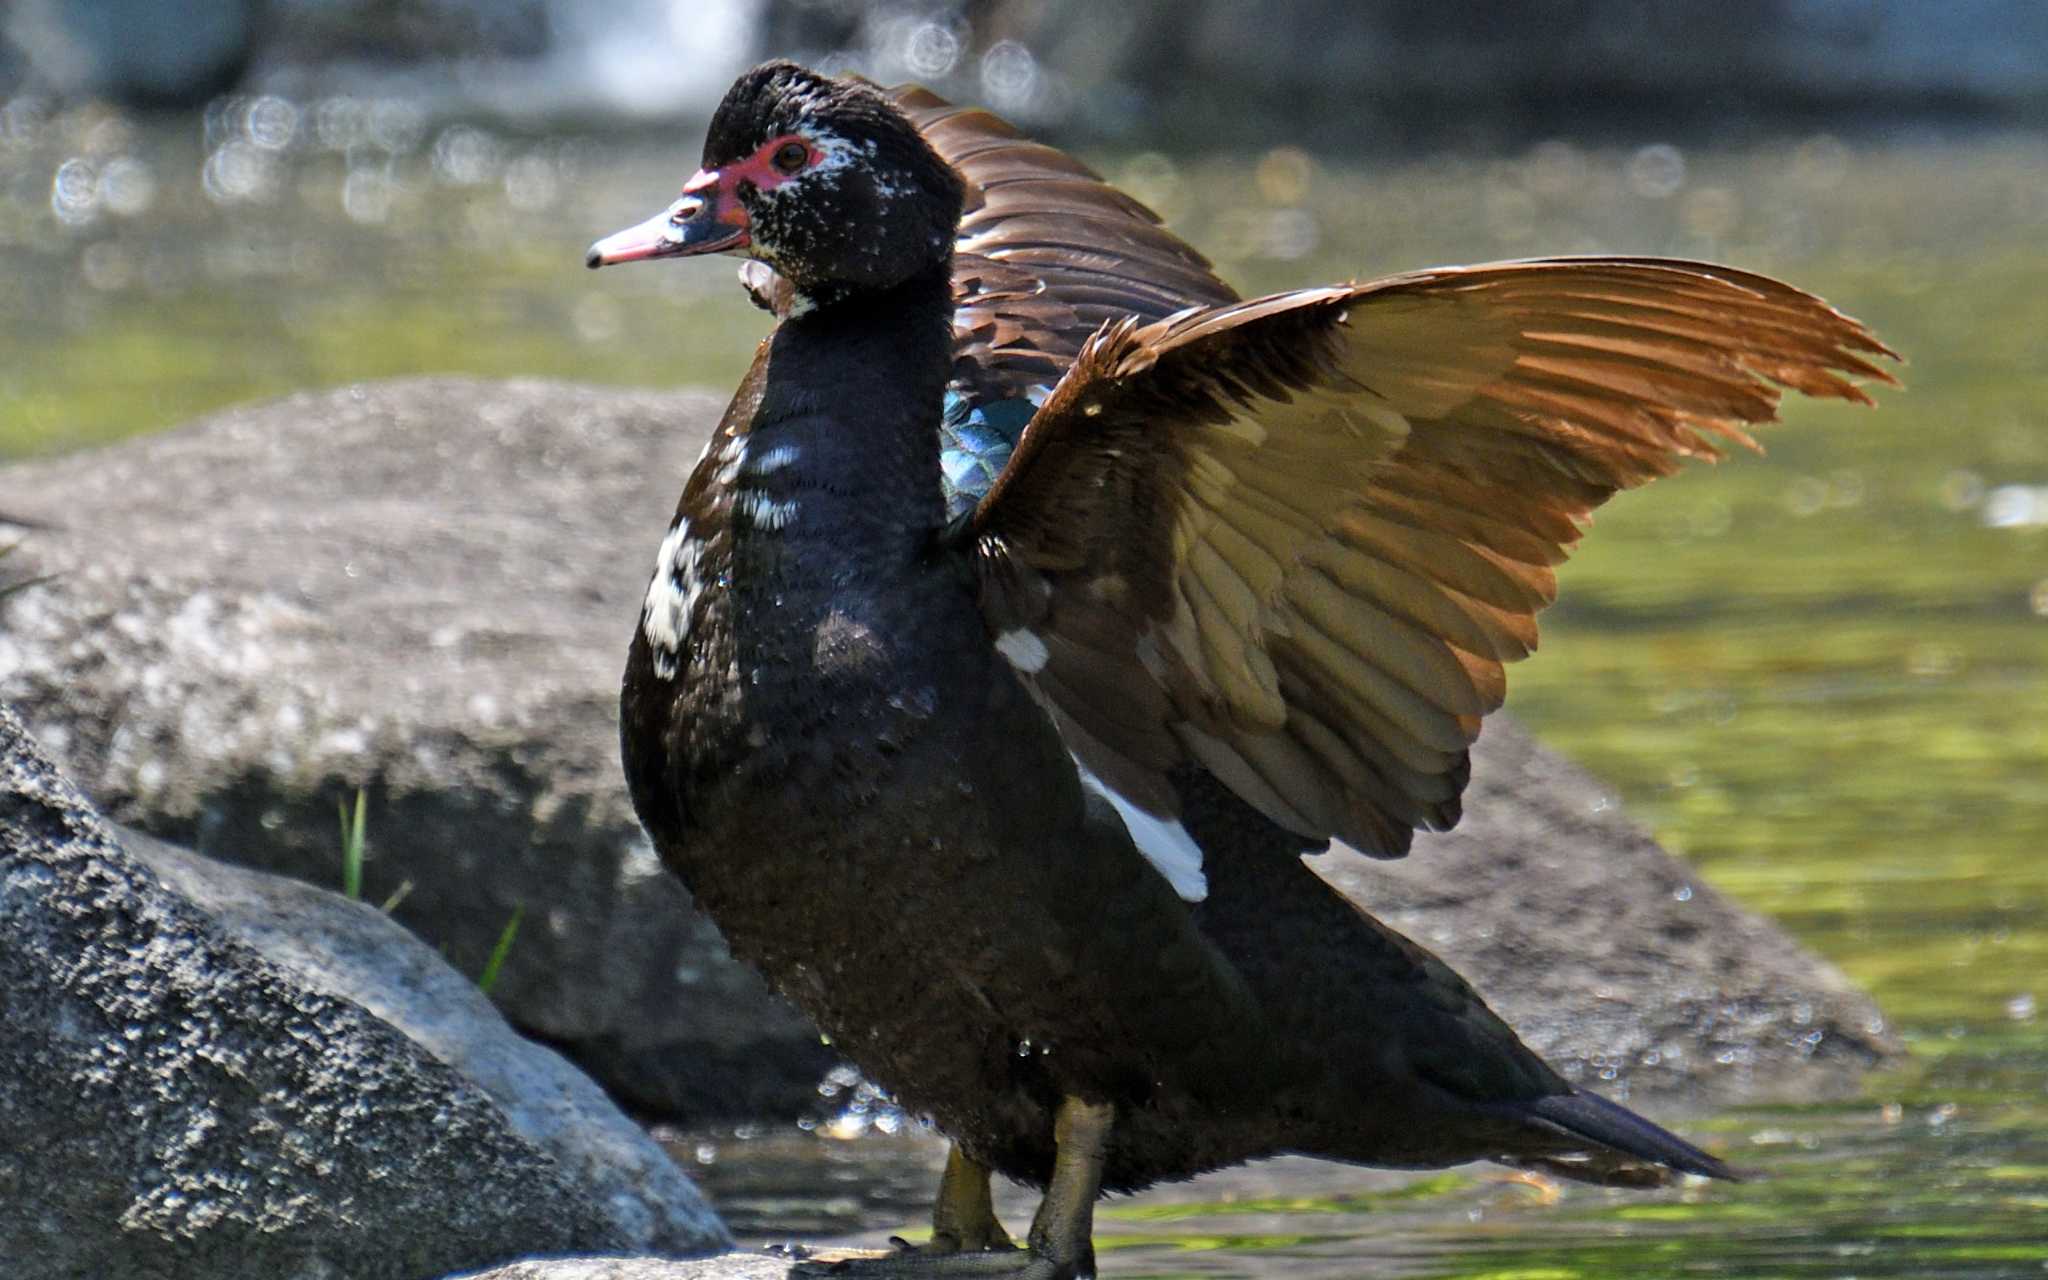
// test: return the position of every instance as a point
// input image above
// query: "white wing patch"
(1025, 650)
(1167, 845)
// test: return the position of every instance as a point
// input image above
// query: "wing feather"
(1295, 539)
(1359, 496)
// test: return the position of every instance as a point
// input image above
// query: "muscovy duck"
(1038, 602)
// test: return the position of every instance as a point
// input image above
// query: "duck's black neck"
(823, 310)
(851, 395)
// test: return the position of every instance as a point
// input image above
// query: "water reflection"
(1918, 1186)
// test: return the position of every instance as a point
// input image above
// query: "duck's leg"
(1060, 1245)
(1063, 1229)
(964, 1219)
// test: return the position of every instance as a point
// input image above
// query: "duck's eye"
(790, 157)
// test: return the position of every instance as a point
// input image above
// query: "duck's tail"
(1623, 1149)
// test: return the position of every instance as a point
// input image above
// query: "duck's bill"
(705, 220)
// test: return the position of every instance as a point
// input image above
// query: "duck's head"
(823, 179)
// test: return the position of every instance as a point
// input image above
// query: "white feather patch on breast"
(766, 462)
(1165, 843)
(763, 511)
(671, 597)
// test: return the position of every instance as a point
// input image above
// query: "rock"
(211, 1112)
(730, 1266)
(354, 952)
(425, 587)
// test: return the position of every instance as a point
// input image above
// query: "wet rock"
(189, 1087)
(730, 1266)
(424, 588)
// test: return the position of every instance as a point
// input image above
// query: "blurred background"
(301, 192)
(1821, 676)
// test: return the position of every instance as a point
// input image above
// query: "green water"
(1821, 675)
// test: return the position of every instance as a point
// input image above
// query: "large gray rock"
(425, 588)
(354, 952)
(174, 1104)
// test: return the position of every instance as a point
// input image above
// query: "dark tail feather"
(1594, 1118)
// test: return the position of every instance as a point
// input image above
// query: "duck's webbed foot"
(967, 1240)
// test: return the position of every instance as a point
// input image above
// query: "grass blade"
(489, 977)
(352, 849)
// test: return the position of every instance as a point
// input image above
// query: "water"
(1822, 676)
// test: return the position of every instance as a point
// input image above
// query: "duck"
(1040, 606)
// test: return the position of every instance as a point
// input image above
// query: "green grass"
(353, 849)
(488, 979)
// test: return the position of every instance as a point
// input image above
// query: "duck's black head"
(821, 178)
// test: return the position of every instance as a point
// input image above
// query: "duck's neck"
(795, 594)
(842, 447)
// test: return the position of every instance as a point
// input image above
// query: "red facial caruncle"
(710, 216)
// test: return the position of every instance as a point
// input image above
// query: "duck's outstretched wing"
(1047, 254)
(1295, 539)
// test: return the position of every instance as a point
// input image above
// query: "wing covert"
(1297, 538)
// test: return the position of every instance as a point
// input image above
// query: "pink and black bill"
(708, 218)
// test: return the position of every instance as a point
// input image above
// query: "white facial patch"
(837, 152)
(671, 597)
(1165, 843)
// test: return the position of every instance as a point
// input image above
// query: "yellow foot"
(968, 1242)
